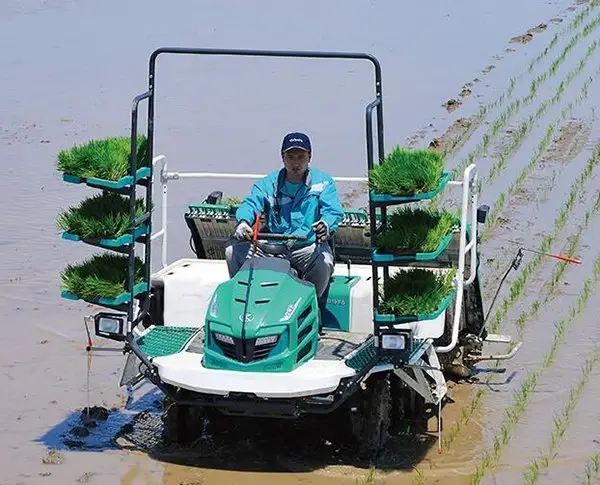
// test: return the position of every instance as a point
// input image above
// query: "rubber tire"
(400, 402)
(182, 424)
(370, 422)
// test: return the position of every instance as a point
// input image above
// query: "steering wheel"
(271, 243)
(267, 236)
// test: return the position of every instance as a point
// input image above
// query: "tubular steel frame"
(150, 96)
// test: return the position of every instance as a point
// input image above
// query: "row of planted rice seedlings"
(575, 22)
(518, 103)
(527, 169)
(522, 396)
(476, 120)
(557, 273)
(473, 122)
(549, 289)
(526, 126)
(561, 422)
(527, 271)
(468, 411)
(559, 224)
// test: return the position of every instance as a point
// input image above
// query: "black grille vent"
(228, 349)
(304, 351)
(245, 351)
(303, 333)
(303, 315)
(262, 351)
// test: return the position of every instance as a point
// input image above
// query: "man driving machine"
(297, 200)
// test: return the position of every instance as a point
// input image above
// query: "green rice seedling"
(103, 276)
(591, 472)
(407, 172)
(411, 230)
(419, 478)
(415, 291)
(104, 215)
(106, 159)
(543, 54)
(370, 479)
(232, 201)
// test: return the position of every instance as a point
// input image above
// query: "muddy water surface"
(69, 72)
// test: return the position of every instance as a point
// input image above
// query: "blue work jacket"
(316, 200)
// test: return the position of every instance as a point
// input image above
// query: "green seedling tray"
(379, 256)
(121, 299)
(388, 318)
(402, 199)
(123, 182)
(113, 243)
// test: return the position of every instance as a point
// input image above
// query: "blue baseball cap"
(296, 140)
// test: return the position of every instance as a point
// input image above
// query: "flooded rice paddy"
(508, 85)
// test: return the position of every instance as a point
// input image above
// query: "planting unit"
(260, 343)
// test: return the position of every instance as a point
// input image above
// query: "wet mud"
(453, 138)
(528, 36)
(312, 445)
(65, 420)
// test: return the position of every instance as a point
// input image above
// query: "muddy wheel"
(400, 395)
(182, 424)
(410, 410)
(371, 413)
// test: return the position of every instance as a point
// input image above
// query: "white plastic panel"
(189, 285)
(426, 328)
(312, 378)
(361, 297)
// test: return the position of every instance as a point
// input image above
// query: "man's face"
(296, 161)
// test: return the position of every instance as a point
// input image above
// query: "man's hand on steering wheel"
(321, 231)
(243, 231)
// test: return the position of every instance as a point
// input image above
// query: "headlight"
(226, 339)
(271, 339)
(393, 342)
(110, 325)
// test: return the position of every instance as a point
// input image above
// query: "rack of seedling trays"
(115, 220)
(414, 281)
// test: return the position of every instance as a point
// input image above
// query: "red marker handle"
(566, 258)
(255, 235)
